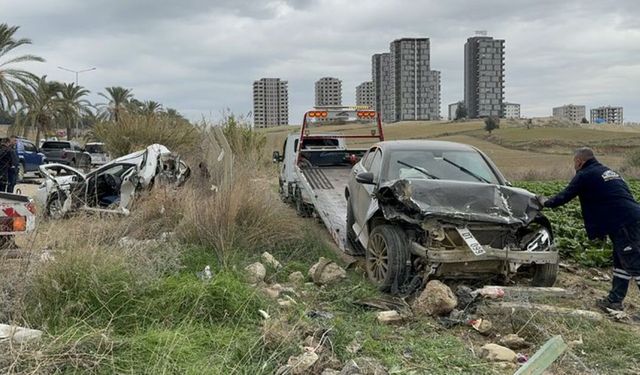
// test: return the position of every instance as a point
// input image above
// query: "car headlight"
(541, 241)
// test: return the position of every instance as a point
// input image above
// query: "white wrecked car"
(112, 187)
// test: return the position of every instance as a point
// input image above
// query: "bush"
(491, 123)
(135, 132)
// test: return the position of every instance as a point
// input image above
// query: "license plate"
(471, 241)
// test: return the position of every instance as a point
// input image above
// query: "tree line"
(37, 105)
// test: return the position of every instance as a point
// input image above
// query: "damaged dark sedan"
(430, 209)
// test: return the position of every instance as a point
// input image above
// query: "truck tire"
(355, 245)
(21, 171)
(544, 274)
(302, 209)
(386, 258)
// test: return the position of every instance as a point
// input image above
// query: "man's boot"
(604, 304)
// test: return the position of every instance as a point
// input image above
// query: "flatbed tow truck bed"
(327, 186)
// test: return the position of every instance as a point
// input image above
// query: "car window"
(94, 149)
(457, 165)
(29, 147)
(55, 145)
(376, 164)
(368, 158)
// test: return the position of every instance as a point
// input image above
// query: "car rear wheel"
(386, 258)
(544, 274)
(54, 206)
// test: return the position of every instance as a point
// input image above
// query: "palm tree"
(173, 113)
(150, 107)
(73, 105)
(40, 106)
(13, 82)
(117, 97)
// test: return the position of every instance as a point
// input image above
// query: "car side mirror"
(277, 158)
(508, 183)
(365, 178)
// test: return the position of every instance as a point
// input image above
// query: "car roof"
(424, 145)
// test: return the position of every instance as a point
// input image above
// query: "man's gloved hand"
(541, 200)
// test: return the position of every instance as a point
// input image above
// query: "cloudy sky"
(202, 56)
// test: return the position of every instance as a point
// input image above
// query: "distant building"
(453, 108)
(270, 102)
(416, 88)
(570, 112)
(511, 110)
(608, 114)
(365, 95)
(383, 91)
(328, 92)
(484, 76)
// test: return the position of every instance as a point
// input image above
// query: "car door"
(364, 192)
(31, 158)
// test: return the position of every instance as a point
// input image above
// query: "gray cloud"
(202, 56)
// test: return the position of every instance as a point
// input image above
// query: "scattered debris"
(356, 344)
(205, 274)
(302, 363)
(296, 277)
(385, 303)
(269, 260)
(568, 267)
(544, 357)
(364, 366)
(497, 353)
(519, 293)
(256, 273)
(618, 315)
(491, 292)
(330, 371)
(522, 358)
(483, 326)
(465, 296)
(18, 334)
(525, 306)
(436, 299)
(326, 271)
(456, 317)
(577, 342)
(319, 314)
(286, 302)
(515, 342)
(599, 275)
(389, 317)
(264, 314)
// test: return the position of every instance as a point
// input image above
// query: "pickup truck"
(66, 152)
(30, 158)
(415, 210)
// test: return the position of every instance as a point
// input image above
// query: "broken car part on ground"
(112, 187)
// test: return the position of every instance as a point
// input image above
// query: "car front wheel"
(387, 258)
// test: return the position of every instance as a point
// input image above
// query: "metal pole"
(77, 72)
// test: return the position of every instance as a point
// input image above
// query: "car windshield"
(453, 165)
(94, 149)
(56, 145)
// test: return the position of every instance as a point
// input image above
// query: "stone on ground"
(255, 273)
(326, 271)
(437, 299)
(269, 260)
(497, 353)
(514, 342)
(364, 366)
(296, 277)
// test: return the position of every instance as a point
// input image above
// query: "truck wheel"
(351, 235)
(386, 258)
(302, 209)
(544, 274)
(21, 169)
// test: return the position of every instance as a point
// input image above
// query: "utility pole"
(76, 72)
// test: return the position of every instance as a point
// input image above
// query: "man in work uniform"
(608, 209)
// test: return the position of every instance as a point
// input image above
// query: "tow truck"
(316, 165)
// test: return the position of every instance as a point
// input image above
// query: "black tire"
(302, 209)
(386, 258)
(352, 238)
(21, 171)
(544, 274)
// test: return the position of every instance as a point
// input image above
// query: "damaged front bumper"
(465, 255)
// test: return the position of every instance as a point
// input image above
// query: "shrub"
(491, 123)
(135, 132)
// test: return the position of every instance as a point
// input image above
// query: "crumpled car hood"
(418, 200)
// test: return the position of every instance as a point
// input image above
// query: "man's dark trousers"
(626, 260)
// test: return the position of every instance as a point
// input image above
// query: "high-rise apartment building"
(365, 96)
(511, 110)
(484, 76)
(383, 92)
(328, 92)
(608, 115)
(415, 87)
(270, 102)
(453, 109)
(570, 112)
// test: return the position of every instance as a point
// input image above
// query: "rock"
(255, 273)
(389, 317)
(272, 291)
(17, 334)
(325, 271)
(296, 277)
(514, 342)
(356, 344)
(481, 325)
(285, 302)
(497, 353)
(269, 260)
(364, 366)
(330, 371)
(302, 363)
(264, 314)
(436, 299)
